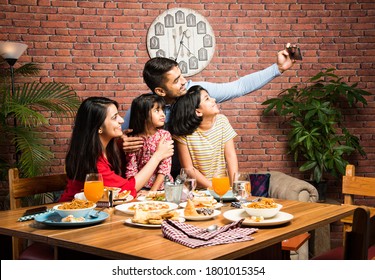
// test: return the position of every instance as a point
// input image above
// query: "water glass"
(241, 186)
(173, 192)
(190, 181)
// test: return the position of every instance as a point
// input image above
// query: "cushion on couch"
(260, 184)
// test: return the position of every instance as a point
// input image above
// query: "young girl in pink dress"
(147, 120)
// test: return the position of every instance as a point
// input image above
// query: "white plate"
(125, 207)
(238, 214)
(200, 217)
(217, 205)
(129, 222)
(82, 196)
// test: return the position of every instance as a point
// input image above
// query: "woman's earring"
(100, 131)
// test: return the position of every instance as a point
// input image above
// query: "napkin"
(194, 237)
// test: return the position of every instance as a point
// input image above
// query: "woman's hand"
(164, 149)
(131, 143)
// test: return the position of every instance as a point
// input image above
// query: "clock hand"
(189, 51)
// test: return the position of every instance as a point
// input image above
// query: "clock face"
(184, 36)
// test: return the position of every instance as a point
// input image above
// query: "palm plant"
(318, 135)
(21, 116)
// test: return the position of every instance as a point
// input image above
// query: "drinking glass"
(190, 181)
(221, 184)
(241, 187)
(93, 187)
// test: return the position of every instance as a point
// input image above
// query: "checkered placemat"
(194, 237)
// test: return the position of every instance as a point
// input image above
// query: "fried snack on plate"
(154, 218)
(190, 209)
(204, 201)
(72, 219)
(156, 195)
(123, 195)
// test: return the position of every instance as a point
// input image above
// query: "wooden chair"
(23, 187)
(355, 185)
(359, 241)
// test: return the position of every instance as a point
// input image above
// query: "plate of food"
(54, 219)
(152, 196)
(206, 214)
(238, 214)
(153, 219)
(148, 206)
(123, 196)
(203, 202)
(201, 193)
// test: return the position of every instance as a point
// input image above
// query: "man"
(164, 78)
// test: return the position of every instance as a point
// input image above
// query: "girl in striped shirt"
(203, 137)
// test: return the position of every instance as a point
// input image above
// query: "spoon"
(96, 215)
(211, 228)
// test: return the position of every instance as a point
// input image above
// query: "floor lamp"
(11, 52)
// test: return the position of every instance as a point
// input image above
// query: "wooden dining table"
(114, 239)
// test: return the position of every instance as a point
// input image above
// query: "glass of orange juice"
(221, 184)
(94, 187)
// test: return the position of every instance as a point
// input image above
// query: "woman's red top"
(110, 178)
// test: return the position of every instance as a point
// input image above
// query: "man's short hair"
(154, 70)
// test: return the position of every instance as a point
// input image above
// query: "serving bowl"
(81, 212)
(261, 212)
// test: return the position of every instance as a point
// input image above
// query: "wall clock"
(183, 35)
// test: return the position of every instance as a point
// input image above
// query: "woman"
(204, 138)
(94, 149)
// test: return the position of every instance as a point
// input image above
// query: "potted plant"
(22, 116)
(318, 137)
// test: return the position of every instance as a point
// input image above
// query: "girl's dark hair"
(184, 120)
(154, 70)
(140, 111)
(85, 146)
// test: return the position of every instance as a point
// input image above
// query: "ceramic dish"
(130, 222)
(217, 205)
(262, 212)
(238, 214)
(200, 217)
(80, 212)
(54, 219)
(128, 208)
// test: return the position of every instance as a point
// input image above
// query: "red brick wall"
(99, 48)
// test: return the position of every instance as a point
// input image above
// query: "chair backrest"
(23, 187)
(355, 185)
(361, 237)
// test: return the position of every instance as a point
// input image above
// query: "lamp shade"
(12, 50)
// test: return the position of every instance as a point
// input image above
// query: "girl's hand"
(164, 149)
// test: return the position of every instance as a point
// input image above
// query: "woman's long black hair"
(184, 120)
(85, 146)
(140, 111)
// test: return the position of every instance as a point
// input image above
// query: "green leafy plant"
(318, 135)
(23, 114)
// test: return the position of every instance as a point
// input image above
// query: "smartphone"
(294, 53)
(34, 211)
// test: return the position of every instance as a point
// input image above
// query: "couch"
(283, 186)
